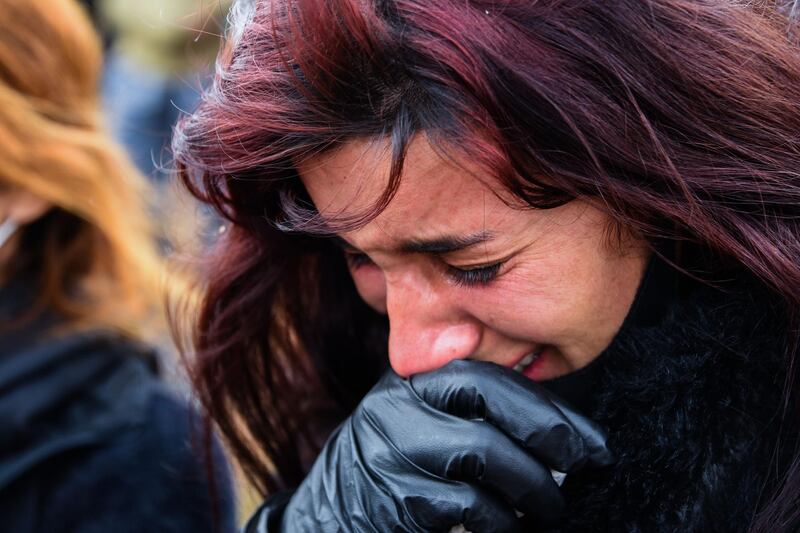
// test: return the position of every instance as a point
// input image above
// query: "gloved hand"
(468, 444)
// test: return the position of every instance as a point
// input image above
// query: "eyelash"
(475, 276)
(466, 278)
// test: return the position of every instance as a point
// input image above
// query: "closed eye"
(465, 277)
(474, 276)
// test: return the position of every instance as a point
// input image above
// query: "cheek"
(520, 306)
(371, 286)
(574, 299)
(542, 303)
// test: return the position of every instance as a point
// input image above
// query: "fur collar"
(689, 396)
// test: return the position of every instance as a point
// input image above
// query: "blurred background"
(158, 57)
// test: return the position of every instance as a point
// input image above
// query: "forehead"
(437, 194)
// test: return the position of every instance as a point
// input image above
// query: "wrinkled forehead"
(355, 175)
(436, 191)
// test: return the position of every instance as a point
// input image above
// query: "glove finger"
(518, 406)
(472, 451)
(439, 505)
(420, 498)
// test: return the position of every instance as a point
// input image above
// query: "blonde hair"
(104, 270)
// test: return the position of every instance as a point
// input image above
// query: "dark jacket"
(690, 391)
(91, 441)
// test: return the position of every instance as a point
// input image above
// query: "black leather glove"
(468, 444)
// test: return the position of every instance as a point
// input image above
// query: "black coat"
(91, 440)
(690, 391)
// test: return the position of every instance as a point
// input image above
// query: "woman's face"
(462, 275)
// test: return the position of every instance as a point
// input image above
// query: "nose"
(427, 329)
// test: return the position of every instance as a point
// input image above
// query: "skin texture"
(563, 288)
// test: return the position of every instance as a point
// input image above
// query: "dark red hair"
(679, 118)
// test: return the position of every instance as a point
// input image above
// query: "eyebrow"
(444, 244)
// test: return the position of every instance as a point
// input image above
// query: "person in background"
(571, 229)
(91, 440)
